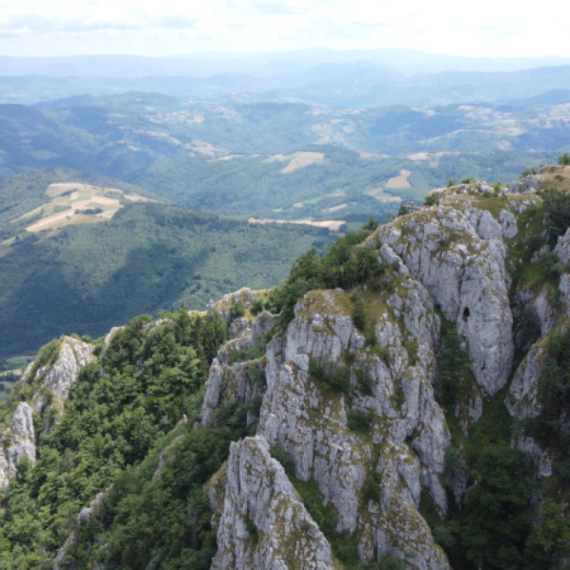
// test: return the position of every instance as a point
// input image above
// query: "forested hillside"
(148, 257)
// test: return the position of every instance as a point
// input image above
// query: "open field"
(400, 181)
(297, 160)
(332, 225)
(75, 203)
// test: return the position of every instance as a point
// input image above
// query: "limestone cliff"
(375, 444)
(45, 387)
(262, 522)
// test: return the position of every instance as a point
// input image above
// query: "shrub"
(284, 458)
(365, 380)
(527, 172)
(358, 314)
(253, 353)
(388, 561)
(335, 376)
(454, 364)
(257, 307)
(372, 488)
(238, 309)
(413, 348)
(554, 389)
(564, 160)
(359, 421)
(557, 211)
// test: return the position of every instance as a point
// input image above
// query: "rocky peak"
(261, 521)
(17, 442)
(464, 272)
(46, 387)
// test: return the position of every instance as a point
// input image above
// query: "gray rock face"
(261, 522)
(310, 422)
(564, 288)
(240, 382)
(484, 188)
(237, 381)
(542, 460)
(562, 248)
(56, 380)
(508, 223)
(484, 224)
(465, 275)
(51, 385)
(18, 442)
(522, 399)
(223, 307)
(528, 185)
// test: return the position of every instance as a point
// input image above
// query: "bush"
(554, 391)
(365, 380)
(527, 172)
(454, 365)
(389, 562)
(336, 377)
(359, 422)
(564, 160)
(257, 307)
(238, 309)
(557, 211)
(372, 488)
(358, 314)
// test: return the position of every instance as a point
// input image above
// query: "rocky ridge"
(46, 387)
(354, 411)
(448, 259)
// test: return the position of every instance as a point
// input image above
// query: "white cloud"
(487, 27)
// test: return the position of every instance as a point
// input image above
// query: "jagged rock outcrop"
(51, 383)
(484, 224)
(261, 522)
(562, 248)
(528, 185)
(49, 387)
(17, 442)
(224, 306)
(522, 399)
(466, 277)
(239, 382)
(408, 437)
(508, 223)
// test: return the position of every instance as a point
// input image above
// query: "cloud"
(284, 7)
(20, 23)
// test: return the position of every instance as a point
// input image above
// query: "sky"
(503, 28)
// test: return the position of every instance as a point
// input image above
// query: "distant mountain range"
(246, 155)
(320, 77)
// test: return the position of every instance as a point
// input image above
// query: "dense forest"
(149, 257)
